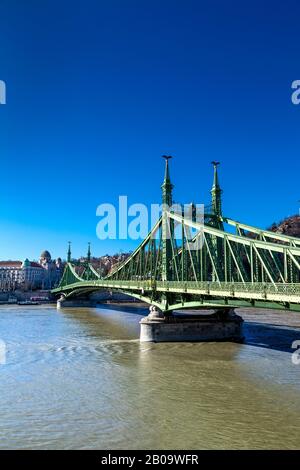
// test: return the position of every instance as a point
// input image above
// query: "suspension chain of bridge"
(225, 264)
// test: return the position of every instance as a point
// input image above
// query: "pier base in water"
(223, 325)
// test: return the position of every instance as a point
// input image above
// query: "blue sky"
(97, 91)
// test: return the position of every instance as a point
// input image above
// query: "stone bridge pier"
(221, 325)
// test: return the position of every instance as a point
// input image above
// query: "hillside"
(289, 226)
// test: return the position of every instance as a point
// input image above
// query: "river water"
(80, 379)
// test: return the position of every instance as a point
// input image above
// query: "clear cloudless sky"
(98, 90)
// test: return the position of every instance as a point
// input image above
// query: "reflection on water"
(79, 378)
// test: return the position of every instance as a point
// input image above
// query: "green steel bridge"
(225, 264)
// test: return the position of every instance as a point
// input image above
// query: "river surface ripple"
(80, 379)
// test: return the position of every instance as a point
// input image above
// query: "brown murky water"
(79, 378)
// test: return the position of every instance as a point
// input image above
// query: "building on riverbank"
(30, 275)
(52, 270)
(11, 275)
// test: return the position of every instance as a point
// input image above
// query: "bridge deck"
(285, 293)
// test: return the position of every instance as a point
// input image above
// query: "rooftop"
(10, 264)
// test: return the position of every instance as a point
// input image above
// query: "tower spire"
(89, 253)
(167, 186)
(69, 253)
(216, 192)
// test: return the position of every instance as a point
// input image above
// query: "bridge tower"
(216, 202)
(167, 224)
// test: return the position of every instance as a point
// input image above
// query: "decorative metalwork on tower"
(69, 253)
(216, 192)
(167, 224)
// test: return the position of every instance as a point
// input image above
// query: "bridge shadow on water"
(269, 336)
(135, 308)
(262, 335)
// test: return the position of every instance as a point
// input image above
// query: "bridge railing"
(268, 288)
(231, 287)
